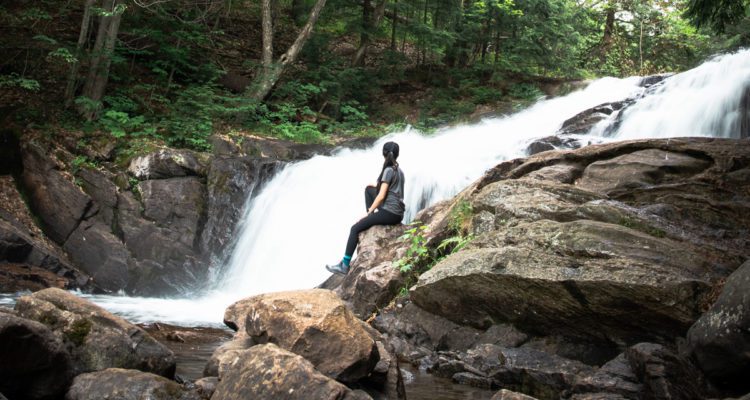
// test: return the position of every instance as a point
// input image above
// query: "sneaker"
(339, 268)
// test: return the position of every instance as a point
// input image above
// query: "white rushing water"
(300, 220)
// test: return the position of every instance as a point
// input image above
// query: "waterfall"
(709, 100)
(300, 220)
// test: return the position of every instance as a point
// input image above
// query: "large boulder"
(167, 163)
(54, 198)
(548, 277)
(97, 338)
(177, 205)
(719, 340)
(269, 372)
(314, 324)
(620, 242)
(126, 384)
(35, 364)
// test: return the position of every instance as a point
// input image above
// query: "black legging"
(381, 217)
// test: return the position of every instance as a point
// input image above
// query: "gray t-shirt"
(394, 201)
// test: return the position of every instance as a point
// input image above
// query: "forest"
(143, 73)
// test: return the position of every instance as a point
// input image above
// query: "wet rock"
(59, 204)
(639, 169)
(505, 394)
(206, 387)
(616, 377)
(552, 143)
(176, 205)
(163, 266)
(230, 182)
(167, 163)
(314, 324)
(100, 254)
(582, 122)
(97, 338)
(126, 384)
(664, 374)
(35, 363)
(718, 341)
(269, 372)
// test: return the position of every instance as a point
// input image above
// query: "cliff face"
(578, 255)
(152, 228)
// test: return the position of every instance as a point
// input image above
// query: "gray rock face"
(618, 242)
(35, 364)
(126, 384)
(100, 187)
(664, 374)
(616, 377)
(97, 338)
(230, 182)
(269, 372)
(177, 205)
(167, 163)
(163, 265)
(44, 266)
(101, 255)
(59, 203)
(719, 340)
(505, 394)
(529, 371)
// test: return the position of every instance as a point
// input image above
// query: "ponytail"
(390, 152)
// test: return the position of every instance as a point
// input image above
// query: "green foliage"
(14, 80)
(417, 252)
(525, 91)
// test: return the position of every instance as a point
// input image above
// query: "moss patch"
(78, 331)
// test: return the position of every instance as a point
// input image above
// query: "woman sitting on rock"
(384, 202)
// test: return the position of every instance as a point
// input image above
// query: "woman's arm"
(380, 198)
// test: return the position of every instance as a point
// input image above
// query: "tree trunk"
(99, 71)
(393, 26)
(265, 81)
(359, 55)
(83, 35)
(267, 56)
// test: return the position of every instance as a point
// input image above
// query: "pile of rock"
(588, 277)
(54, 343)
(301, 345)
